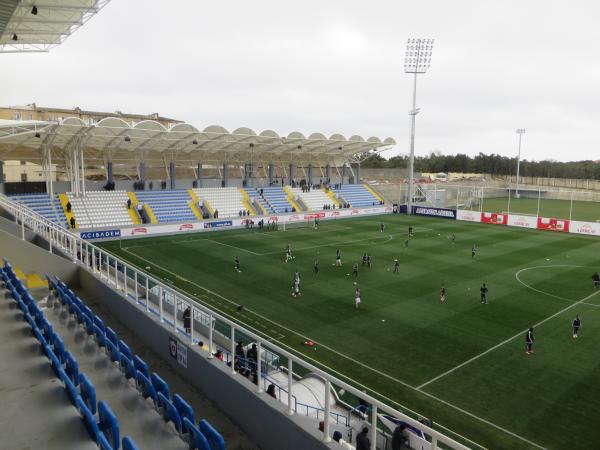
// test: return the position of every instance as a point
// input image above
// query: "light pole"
(417, 60)
(520, 132)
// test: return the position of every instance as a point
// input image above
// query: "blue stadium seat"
(126, 366)
(159, 384)
(87, 392)
(112, 336)
(113, 351)
(72, 368)
(124, 348)
(141, 365)
(183, 408)
(213, 436)
(108, 425)
(128, 444)
(195, 438)
(145, 387)
(88, 419)
(69, 386)
(169, 412)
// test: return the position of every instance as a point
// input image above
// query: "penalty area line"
(491, 349)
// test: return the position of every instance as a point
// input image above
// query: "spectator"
(252, 356)
(362, 440)
(239, 350)
(72, 222)
(150, 185)
(271, 390)
(219, 355)
(337, 437)
(68, 207)
(240, 213)
(399, 438)
(128, 203)
(187, 313)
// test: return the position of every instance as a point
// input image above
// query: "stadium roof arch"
(116, 140)
(40, 25)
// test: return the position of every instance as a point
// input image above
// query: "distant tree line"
(490, 164)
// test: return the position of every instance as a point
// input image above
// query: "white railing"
(141, 287)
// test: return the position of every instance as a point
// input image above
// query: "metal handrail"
(73, 245)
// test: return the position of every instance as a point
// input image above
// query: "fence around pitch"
(541, 201)
(163, 301)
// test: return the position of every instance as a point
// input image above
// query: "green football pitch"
(461, 363)
(552, 208)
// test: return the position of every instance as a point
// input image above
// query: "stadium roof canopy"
(39, 25)
(114, 139)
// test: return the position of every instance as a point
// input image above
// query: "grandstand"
(356, 195)
(98, 209)
(43, 204)
(168, 206)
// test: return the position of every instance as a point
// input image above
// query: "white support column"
(232, 350)
(373, 427)
(175, 302)
(538, 204)
(191, 322)
(327, 418)
(125, 279)
(147, 296)
(290, 410)
(22, 225)
(93, 260)
(434, 443)
(135, 281)
(116, 275)
(210, 336)
(258, 369)
(160, 302)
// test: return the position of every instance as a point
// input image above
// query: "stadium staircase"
(168, 206)
(133, 210)
(194, 204)
(43, 204)
(291, 198)
(357, 195)
(90, 362)
(262, 206)
(277, 199)
(99, 209)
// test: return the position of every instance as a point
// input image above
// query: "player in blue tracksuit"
(529, 340)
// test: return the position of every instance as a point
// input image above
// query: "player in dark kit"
(443, 294)
(316, 267)
(364, 259)
(355, 270)
(410, 231)
(369, 261)
(576, 326)
(484, 290)
(396, 266)
(381, 227)
(596, 279)
(473, 251)
(236, 264)
(529, 340)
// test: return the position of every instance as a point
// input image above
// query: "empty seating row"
(277, 198)
(315, 199)
(98, 418)
(99, 209)
(228, 201)
(45, 205)
(356, 195)
(168, 206)
(150, 385)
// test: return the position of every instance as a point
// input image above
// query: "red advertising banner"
(553, 224)
(494, 218)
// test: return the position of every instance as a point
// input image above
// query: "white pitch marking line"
(520, 333)
(232, 246)
(389, 238)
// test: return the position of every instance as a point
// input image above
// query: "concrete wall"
(264, 419)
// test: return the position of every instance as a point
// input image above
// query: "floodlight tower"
(520, 132)
(417, 60)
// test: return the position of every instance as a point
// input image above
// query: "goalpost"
(306, 223)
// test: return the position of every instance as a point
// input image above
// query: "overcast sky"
(337, 67)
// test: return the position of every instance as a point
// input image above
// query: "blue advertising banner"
(103, 234)
(218, 224)
(434, 212)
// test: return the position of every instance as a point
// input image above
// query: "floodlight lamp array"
(418, 55)
(521, 131)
